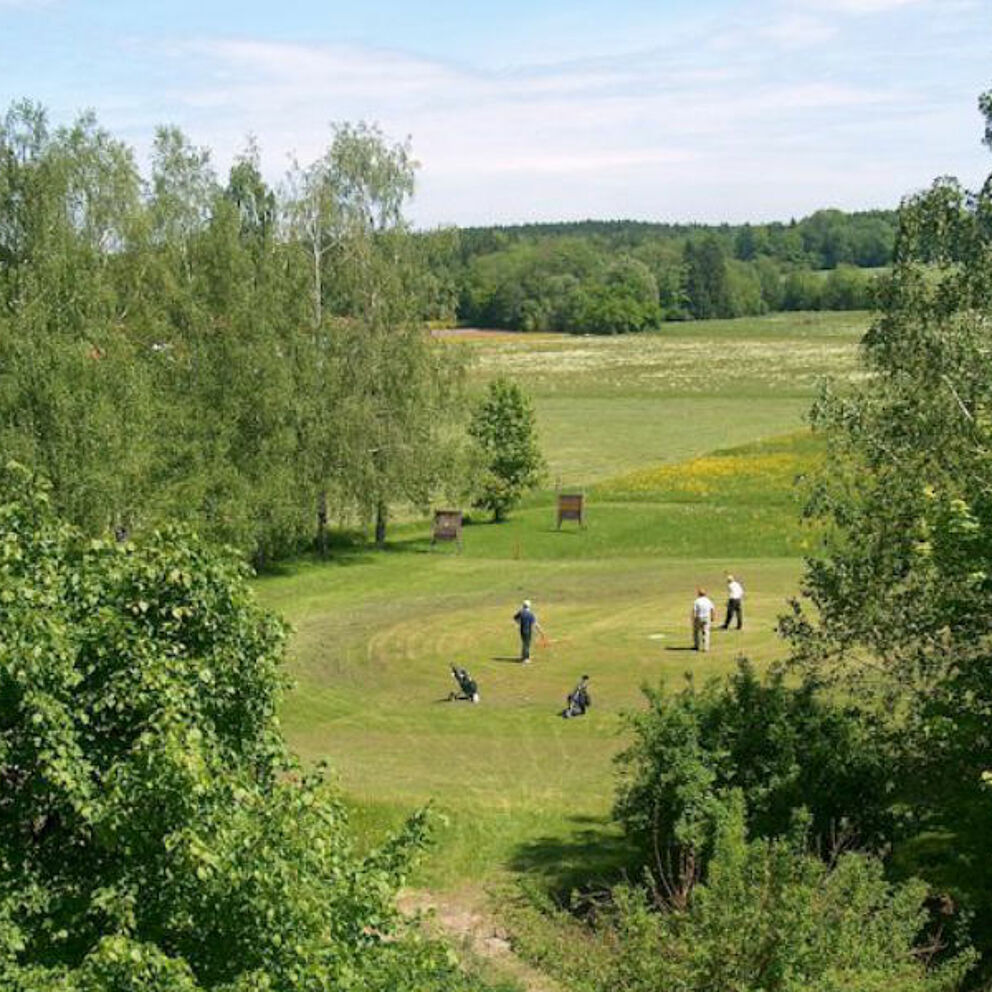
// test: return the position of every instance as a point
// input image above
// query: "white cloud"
(798, 30)
(311, 67)
(586, 161)
(863, 6)
(671, 132)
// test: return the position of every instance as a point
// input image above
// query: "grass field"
(688, 443)
(608, 405)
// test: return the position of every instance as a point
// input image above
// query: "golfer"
(703, 612)
(527, 622)
(735, 599)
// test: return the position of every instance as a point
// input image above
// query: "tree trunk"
(318, 289)
(322, 523)
(380, 523)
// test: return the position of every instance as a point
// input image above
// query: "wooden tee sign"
(447, 526)
(571, 506)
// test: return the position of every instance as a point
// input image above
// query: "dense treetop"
(896, 604)
(249, 359)
(823, 240)
(609, 277)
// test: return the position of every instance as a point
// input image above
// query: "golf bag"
(578, 701)
(468, 689)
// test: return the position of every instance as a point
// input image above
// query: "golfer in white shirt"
(735, 596)
(703, 612)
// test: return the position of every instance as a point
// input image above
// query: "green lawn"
(612, 404)
(375, 632)
(371, 653)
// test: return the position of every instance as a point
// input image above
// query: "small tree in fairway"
(504, 429)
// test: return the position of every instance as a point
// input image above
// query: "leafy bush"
(783, 747)
(769, 918)
(154, 833)
(848, 288)
(895, 605)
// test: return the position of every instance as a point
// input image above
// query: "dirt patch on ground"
(464, 919)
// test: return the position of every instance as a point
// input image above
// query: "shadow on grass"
(507, 657)
(344, 547)
(594, 856)
(347, 549)
(687, 647)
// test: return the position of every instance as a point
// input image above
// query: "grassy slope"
(375, 632)
(608, 405)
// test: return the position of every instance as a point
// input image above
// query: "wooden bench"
(571, 506)
(447, 527)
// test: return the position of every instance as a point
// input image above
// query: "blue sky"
(710, 110)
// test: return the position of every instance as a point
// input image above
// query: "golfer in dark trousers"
(527, 622)
(735, 599)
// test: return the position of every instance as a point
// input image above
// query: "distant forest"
(614, 277)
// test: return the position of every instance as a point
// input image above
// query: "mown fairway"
(664, 431)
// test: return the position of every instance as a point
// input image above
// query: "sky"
(665, 110)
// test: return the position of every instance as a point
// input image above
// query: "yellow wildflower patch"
(710, 475)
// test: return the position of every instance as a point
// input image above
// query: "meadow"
(689, 444)
(609, 405)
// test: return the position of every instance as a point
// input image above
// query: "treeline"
(823, 240)
(190, 347)
(617, 277)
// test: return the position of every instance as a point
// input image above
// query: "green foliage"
(706, 280)
(504, 429)
(384, 395)
(563, 277)
(72, 396)
(783, 748)
(154, 833)
(625, 302)
(905, 490)
(847, 288)
(823, 239)
(247, 360)
(769, 918)
(896, 606)
(843, 288)
(566, 285)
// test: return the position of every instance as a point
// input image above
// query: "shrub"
(154, 832)
(783, 747)
(769, 918)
